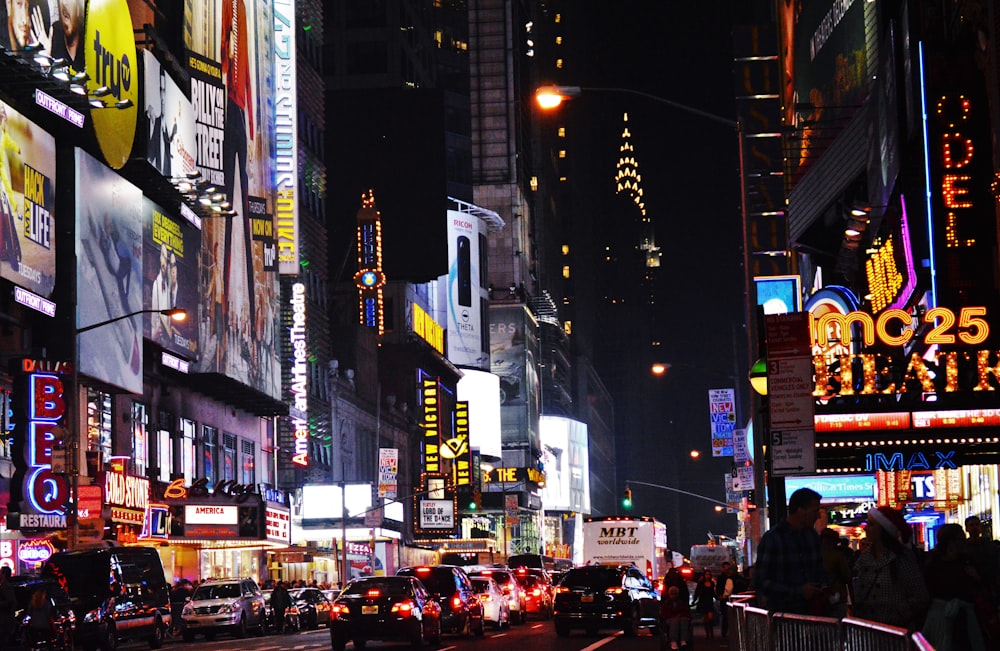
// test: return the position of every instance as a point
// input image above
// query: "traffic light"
(627, 498)
(477, 501)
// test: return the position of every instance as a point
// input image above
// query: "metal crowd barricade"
(756, 629)
(789, 632)
(863, 635)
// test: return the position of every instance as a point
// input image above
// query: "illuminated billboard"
(482, 391)
(109, 273)
(566, 463)
(286, 150)
(111, 63)
(27, 203)
(170, 279)
(230, 52)
(825, 60)
(513, 351)
(170, 125)
(465, 293)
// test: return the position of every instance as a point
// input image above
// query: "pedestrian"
(954, 585)
(675, 618)
(40, 630)
(838, 572)
(179, 595)
(725, 587)
(280, 601)
(983, 553)
(704, 602)
(788, 573)
(888, 585)
(8, 604)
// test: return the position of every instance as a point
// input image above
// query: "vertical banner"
(388, 472)
(111, 63)
(722, 413)
(464, 293)
(286, 177)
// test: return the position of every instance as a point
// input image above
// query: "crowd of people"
(950, 593)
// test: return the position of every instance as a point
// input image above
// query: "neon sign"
(431, 425)
(939, 459)
(370, 279)
(972, 328)
(299, 370)
(47, 492)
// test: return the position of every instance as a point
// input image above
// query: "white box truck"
(641, 541)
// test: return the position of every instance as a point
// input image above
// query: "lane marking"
(600, 643)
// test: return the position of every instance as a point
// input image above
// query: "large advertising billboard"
(170, 124)
(109, 274)
(465, 293)
(513, 351)
(111, 63)
(825, 62)
(230, 50)
(481, 390)
(27, 203)
(566, 462)
(170, 279)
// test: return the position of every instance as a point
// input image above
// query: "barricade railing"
(755, 629)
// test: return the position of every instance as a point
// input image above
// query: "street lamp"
(176, 314)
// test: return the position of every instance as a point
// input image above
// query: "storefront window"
(230, 563)
(99, 423)
(247, 463)
(209, 444)
(140, 448)
(185, 454)
(228, 456)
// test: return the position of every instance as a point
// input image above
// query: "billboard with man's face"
(27, 203)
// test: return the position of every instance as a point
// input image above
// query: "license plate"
(369, 610)
(587, 598)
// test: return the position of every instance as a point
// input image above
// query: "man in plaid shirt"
(789, 571)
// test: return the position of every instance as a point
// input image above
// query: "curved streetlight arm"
(176, 313)
(677, 490)
(575, 91)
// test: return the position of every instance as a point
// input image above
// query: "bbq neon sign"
(45, 491)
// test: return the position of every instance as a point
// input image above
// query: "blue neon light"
(927, 173)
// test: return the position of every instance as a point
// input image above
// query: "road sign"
(789, 392)
(793, 452)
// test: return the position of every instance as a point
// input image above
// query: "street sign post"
(793, 452)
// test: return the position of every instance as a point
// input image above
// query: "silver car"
(224, 605)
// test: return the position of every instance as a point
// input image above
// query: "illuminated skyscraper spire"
(629, 182)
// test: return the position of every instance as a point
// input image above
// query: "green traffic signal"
(627, 499)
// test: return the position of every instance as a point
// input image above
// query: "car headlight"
(187, 611)
(92, 616)
(225, 609)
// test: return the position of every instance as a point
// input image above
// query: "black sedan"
(595, 597)
(385, 608)
(313, 607)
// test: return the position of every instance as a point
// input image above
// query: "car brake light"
(423, 570)
(338, 611)
(374, 592)
(485, 597)
(562, 588)
(456, 603)
(403, 608)
(615, 590)
(536, 592)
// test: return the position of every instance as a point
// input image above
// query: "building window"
(164, 448)
(228, 457)
(185, 453)
(140, 440)
(209, 452)
(99, 423)
(565, 272)
(247, 463)
(562, 132)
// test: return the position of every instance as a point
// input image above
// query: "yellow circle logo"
(112, 63)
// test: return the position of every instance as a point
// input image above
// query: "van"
(711, 557)
(117, 593)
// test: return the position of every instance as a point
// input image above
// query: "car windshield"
(385, 587)
(600, 578)
(216, 591)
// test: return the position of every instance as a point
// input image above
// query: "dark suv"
(461, 610)
(117, 593)
(597, 596)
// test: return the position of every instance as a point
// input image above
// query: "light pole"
(175, 313)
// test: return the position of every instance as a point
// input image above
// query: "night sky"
(681, 51)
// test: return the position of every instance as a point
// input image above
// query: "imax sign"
(916, 461)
